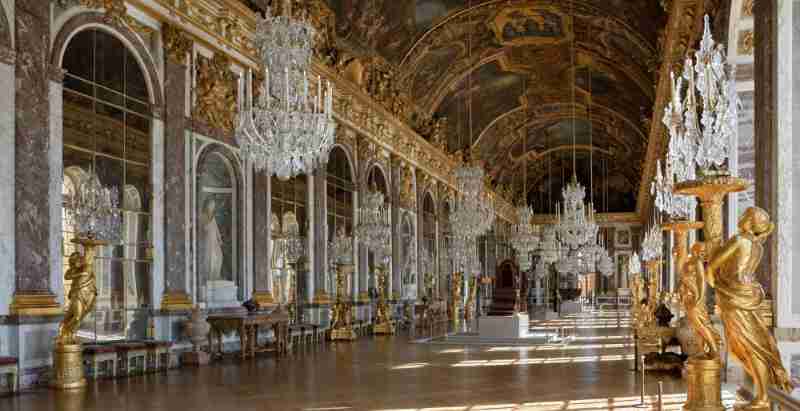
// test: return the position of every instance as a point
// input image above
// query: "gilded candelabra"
(67, 355)
(342, 320)
(383, 319)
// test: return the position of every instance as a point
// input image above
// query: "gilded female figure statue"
(82, 295)
(739, 297)
(692, 294)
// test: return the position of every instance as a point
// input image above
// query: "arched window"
(288, 197)
(340, 190)
(107, 132)
(218, 227)
(377, 177)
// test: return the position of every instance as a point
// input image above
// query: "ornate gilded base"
(176, 301)
(386, 328)
(343, 334)
(363, 297)
(321, 297)
(264, 299)
(68, 367)
(44, 303)
(704, 392)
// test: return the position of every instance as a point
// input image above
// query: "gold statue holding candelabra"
(342, 316)
(692, 295)
(730, 271)
(383, 320)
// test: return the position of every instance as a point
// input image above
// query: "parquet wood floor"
(591, 373)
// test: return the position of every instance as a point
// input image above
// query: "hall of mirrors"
(377, 205)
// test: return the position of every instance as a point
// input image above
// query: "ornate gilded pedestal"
(68, 367)
(703, 385)
(342, 322)
(383, 320)
(67, 354)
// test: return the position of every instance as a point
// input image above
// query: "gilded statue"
(455, 296)
(82, 295)
(691, 289)
(730, 271)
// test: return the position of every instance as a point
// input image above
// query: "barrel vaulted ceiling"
(513, 59)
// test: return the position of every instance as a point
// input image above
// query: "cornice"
(602, 219)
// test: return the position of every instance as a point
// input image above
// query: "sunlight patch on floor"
(668, 402)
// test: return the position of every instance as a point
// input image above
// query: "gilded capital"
(176, 44)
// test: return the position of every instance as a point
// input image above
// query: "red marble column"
(176, 293)
(33, 294)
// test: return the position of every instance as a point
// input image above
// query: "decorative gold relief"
(521, 25)
(176, 44)
(216, 92)
(116, 13)
(408, 196)
(745, 46)
(176, 301)
(32, 303)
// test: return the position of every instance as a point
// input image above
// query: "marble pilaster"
(7, 187)
(322, 294)
(176, 294)
(393, 199)
(33, 293)
(262, 290)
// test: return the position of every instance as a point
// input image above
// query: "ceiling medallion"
(290, 129)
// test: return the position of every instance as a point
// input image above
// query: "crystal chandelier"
(341, 248)
(576, 225)
(473, 212)
(289, 130)
(605, 265)
(524, 236)
(702, 142)
(93, 211)
(549, 247)
(374, 229)
(653, 244)
(666, 201)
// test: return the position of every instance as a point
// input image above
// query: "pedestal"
(507, 326)
(68, 367)
(703, 385)
(386, 328)
(343, 334)
(221, 291)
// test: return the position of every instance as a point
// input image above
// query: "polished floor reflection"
(592, 371)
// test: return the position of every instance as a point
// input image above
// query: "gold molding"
(600, 218)
(176, 301)
(35, 303)
(745, 43)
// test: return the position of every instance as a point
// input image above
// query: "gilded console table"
(246, 325)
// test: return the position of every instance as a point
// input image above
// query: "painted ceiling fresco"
(516, 62)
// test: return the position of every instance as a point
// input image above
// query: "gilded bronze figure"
(730, 272)
(82, 295)
(692, 294)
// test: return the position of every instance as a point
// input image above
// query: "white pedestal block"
(512, 326)
(221, 291)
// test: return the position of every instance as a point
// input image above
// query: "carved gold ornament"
(176, 44)
(216, 92)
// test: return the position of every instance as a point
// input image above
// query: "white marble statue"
(211, 257)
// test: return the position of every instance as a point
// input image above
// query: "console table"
(246, 325)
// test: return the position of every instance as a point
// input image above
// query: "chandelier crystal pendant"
(653, 244)
(93, 211)
(289, 130)
(473, 213)
(541, 270)
(549, 246)
(524, 236)
(293, 241)
(702, 142)
(605, 265)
